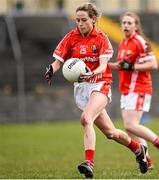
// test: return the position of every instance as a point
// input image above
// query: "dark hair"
(90, 8)
(138, 25)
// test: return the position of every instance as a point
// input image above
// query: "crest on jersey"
(94, 48)
(128, 53)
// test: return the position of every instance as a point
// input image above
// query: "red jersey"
(89, 49)
(135, 50)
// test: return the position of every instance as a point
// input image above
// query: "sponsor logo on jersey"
(128, 53)
(90, 59)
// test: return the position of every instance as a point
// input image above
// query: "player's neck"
(86, 34)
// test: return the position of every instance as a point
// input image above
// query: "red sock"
(134, 146)
(89, 155)
(156, 142)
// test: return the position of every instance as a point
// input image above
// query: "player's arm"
(102, 66)
(54, 67)
(105, 53)
(146, 60)
(147, 64)
(114, 65)
(150, 64)
(99, 70)
(62, 48)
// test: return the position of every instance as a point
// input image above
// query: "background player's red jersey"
(89, 49)
(135, 50)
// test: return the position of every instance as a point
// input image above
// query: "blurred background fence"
(29, 32)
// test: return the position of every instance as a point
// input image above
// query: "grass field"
(52, 151)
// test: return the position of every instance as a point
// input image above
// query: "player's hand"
(126, 65)
(86, 76)
(48, 74)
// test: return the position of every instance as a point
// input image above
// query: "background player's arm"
(147, 65)
(147, 60)
(114, 65)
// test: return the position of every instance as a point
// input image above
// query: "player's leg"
(132, 107)
(142, 141)
(131, 125)
(135, 119)
(96, 103)
(104, 123)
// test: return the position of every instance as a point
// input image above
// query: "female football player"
(93, 93)
(135, 60)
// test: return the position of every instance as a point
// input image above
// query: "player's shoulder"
(70, 34)
(101, 33)
(139, 39)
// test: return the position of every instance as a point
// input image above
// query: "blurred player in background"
(135, 60)
(93, 92)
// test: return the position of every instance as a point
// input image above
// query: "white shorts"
(136, 101)
(82, 92)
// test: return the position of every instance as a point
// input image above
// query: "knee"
(111, 134)
(86, 120)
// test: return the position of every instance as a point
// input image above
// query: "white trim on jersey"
(107, 56)
(147, 58)
(142, 40)
(133, 81)
(58, 57)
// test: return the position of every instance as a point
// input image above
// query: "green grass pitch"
(53, 151)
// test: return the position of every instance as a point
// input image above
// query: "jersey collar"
(130, 38)
(134, 34)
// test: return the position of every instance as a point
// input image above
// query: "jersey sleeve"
(106, 49)
(62, 51)
(145, 52)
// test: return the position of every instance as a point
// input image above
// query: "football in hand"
(73, 68)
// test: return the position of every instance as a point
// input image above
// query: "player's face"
(128, 26)
(84, 23)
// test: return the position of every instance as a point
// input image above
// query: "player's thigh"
(96, 104)
(131, 117)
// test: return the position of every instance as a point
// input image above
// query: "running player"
(93, 93)
(135, 60)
